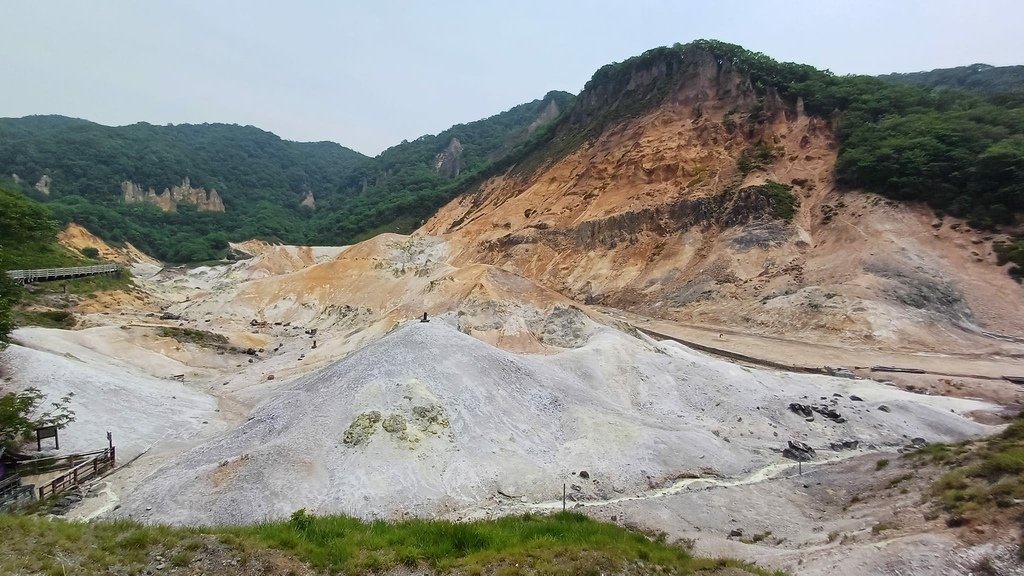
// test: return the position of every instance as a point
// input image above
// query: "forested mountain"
(980, 78)
(78, 167)
(960, 152)
(408, 182)
(270, 188)
(905, 136)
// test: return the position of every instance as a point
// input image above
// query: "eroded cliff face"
(448, 162)
(661, 209)
(168, 200)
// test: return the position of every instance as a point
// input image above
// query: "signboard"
(47, 432)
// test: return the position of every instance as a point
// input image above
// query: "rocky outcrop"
(43, 186)
(309, 201)
(169, 199)
(550, 112)
(448, 162)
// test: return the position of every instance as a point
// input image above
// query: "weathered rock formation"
(448, 162)
(169, 199)
(309, 201)
(43, 185)
(550, 112)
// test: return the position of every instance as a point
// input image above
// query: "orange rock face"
(654, 214)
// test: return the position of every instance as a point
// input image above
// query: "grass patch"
(190, 335)
(981, 475)
(565, 543)
(881, 464)
(882, 527)
(899, 480)
(63, 319)
(760, 537)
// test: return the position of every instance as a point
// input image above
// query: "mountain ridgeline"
(182, 192)
(951, 138)
(961, 152)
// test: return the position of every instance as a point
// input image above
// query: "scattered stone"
(169, 316)
(884, 408)
(841, 372)
(799, 451)
(802, 409)
(584, 474)
(270, 376)
(856, 398)
(736, 533)
(918, 441)
(844, 445)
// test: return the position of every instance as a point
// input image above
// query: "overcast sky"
(370, 74)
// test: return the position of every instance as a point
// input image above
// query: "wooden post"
(563, 497)
(800, 467)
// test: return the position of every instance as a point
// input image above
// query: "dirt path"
(975, 375)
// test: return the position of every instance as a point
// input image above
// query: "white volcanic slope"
(139, 410)
(481, 420)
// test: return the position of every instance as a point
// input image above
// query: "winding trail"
(769, 472)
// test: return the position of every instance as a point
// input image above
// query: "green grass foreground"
(565, 543)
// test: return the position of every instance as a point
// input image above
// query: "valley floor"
(325, 393)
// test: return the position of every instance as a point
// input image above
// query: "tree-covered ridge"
(960, 152)
(91, 160)
(261, 178)
(980, 78)
(401, 187)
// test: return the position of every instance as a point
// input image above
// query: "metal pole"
(563, 497)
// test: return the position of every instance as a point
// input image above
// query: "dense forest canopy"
(980, 78)
(402, 187)
(261, 178)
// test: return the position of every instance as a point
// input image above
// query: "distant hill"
(980, 78)
(181, 192)
(407, 183)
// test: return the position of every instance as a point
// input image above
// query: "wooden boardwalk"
(43, 274)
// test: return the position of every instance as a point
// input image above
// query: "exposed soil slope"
(660, 214)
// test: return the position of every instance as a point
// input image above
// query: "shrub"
(90, 252)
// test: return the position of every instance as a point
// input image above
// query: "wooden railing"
(14, 494)
(9, 484)
(43, 465)
(40, 274)
(92, 468)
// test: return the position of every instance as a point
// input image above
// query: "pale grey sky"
(369, 74)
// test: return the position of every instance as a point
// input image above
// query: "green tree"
(22, 412)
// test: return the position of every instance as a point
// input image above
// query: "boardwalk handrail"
(56, 273)
(88, 470)
(55, 463)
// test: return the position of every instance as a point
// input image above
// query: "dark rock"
(584, 474)
(845, 445)
(884, 408)
(736, 533)
(918, 441)
(799, 451)
(169, 316)
(801, 409)
(856, 398)
(576, 488)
